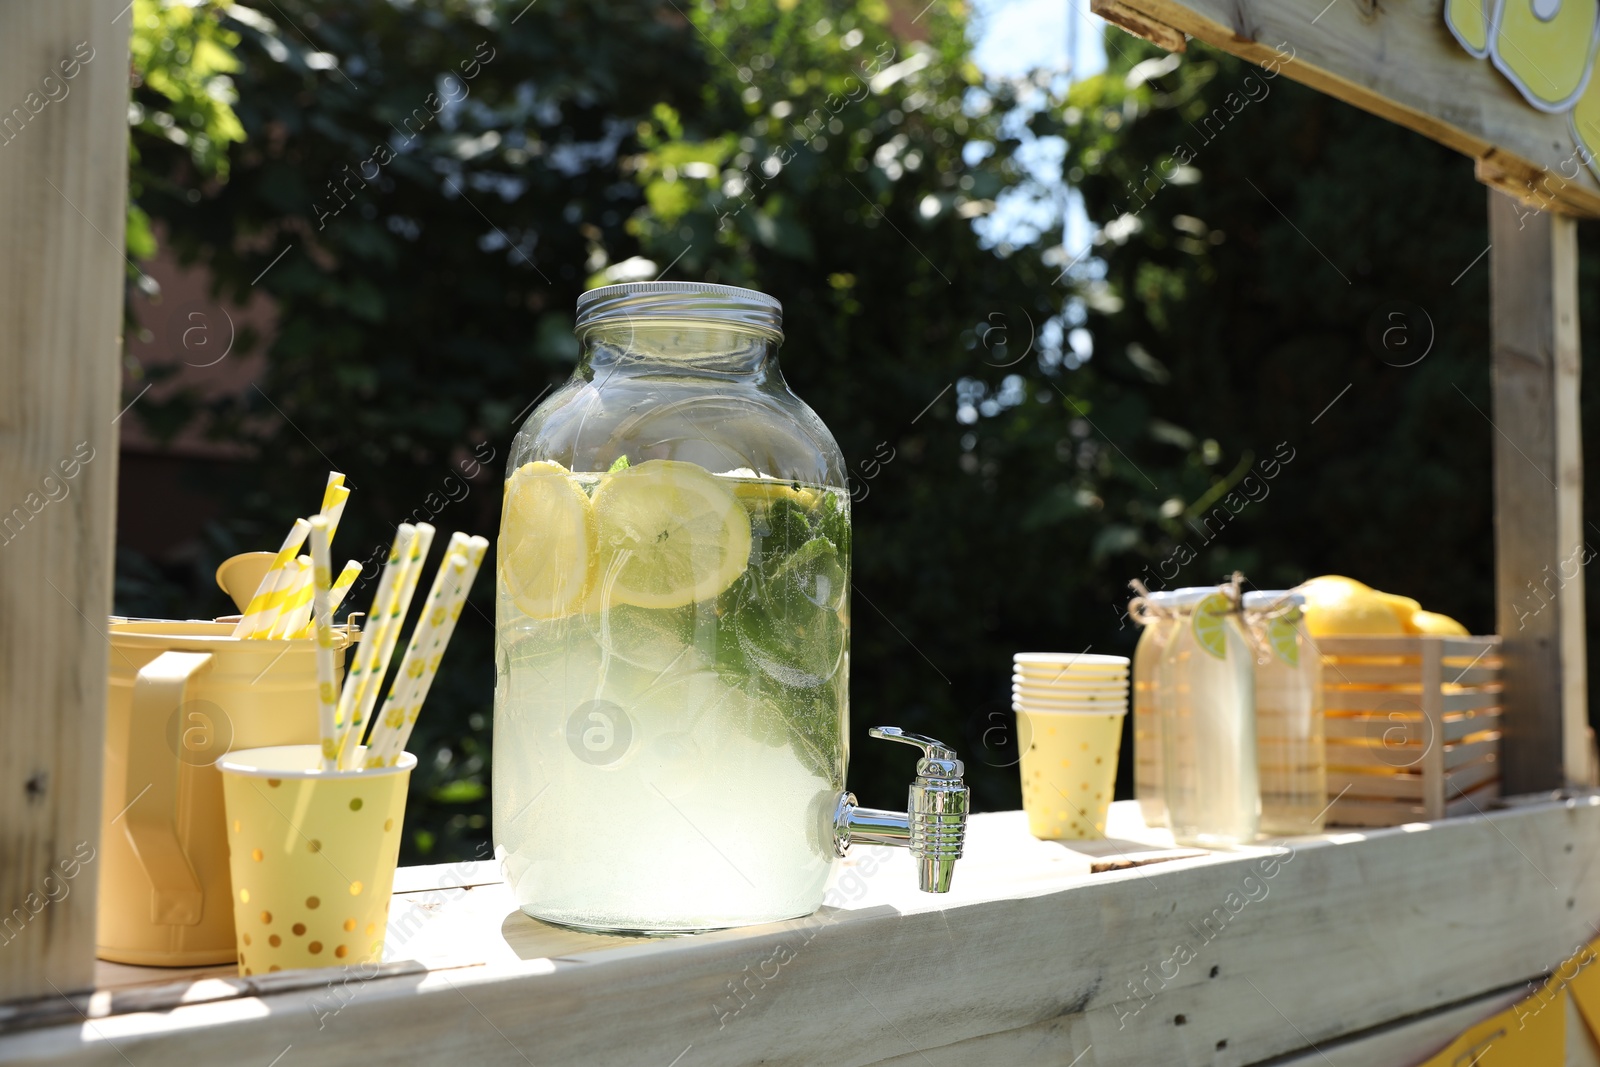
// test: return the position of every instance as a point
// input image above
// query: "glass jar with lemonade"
(672, 625)
(1205, 699)
(1158, 619)
(1289, 718)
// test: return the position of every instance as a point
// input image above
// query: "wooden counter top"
(1364, 947)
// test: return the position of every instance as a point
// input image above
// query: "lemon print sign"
(1469, 22)
(1546, 48)
(1585, 118)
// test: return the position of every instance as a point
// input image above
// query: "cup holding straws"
(314, 830)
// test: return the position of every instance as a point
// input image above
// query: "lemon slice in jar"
(1210, 629)
(766, 492)
(670, 534)
(547, 539)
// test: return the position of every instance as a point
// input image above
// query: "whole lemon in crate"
(1337, 607)
(1404, 608)
(1431, 622)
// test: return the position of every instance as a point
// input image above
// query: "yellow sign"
(1513, 1039)
(1546, 48)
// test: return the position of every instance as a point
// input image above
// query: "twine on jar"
(1233, 590)
(1140, 609)
(1282, 608)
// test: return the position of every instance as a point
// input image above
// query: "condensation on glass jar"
(1206, 693)
(1155, 615)
(672, 625)
(1291, 756)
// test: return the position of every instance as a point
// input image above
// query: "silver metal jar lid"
(727, 306)
(1265, 598)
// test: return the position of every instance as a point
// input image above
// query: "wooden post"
(63, 184)
(1538, 494)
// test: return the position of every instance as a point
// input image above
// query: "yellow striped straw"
(322, 620)
(366, 651)
(388, 632)
(260, 610)
(294, 614)
(336, 595)
(333, 501)
(421, 665)
(294, 617)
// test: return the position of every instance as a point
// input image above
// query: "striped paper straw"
(367, 650)
(294, 613)
(431, 636)
(336, 594)
(294, 617)
(333, 501)
(256, 614)
(322, 620)
(384, 640)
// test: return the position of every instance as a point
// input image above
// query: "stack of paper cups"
(1070, 708)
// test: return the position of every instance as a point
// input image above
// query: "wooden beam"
(1399, 62)
(63, 181)
(1119, 14)
(1540, 548)
(1028, 962)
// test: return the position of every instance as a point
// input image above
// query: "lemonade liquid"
(1148, 753)
(1206, 692)
(674, 766)
(1289, 716)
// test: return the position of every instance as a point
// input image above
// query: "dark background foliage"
(1028, 427)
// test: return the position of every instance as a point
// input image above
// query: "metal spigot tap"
(934, 824)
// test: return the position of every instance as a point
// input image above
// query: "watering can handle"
(150, 814)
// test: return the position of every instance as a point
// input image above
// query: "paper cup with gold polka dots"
(1069, 769)
(312, 854)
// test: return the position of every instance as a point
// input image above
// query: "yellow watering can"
(181, 695)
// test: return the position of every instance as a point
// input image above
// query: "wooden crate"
(1413, 727)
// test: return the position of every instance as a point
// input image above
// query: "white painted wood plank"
(1396, 921)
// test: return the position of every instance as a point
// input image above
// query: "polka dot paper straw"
(383, 636)
(428, 641)
(367, 650)
(322, 622)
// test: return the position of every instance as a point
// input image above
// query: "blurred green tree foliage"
(423, 189)
(1258, 238)
(442, 179)
(1285, 268)
(181, 109)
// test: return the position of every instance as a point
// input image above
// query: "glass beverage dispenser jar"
(673, 634)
